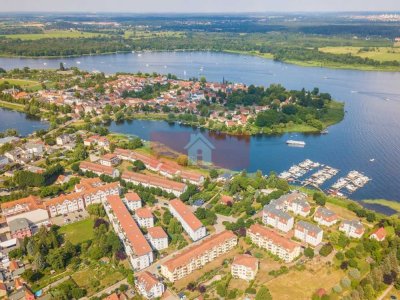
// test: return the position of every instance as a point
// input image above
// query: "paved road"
(219, 227)
(385, 293)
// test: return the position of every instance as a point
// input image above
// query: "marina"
(349, 184)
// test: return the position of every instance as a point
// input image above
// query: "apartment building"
(198, 256)
(244, 267)
(190, 223)
(21, 205)
(308, 233)
(295, 202)
(132, 201)
(144, 217)
(176, 188)
(135, 244)
(325, 217)
(352, 228)
(109, 160)
(151, 163)
(278, 245)
(98, 169)
(157, 237)
(277, 218)
(149, 286)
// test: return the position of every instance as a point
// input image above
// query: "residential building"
(277, 218)
(88, 183)
(99, 169)
(150, 162)
(21, 205)
(135, 244)
(308, 233)
(379, 234)
(98, 194)
(198, 256)
(20, 228)
(278, 245)
(295, 202)
(36, 218)
(149, 286)
(109, 160)
(65, 204)
(352, 228)
(36, 149)
(226, 200)
(144, 217)
(63, 139)
(190, 223)
(157, 238)
(176, 188)
(244, 267)
(133, 201)
(325, 217)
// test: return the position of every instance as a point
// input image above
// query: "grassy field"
(391, 204)
(25, 84)
(378, 53)
(52, 34)
(78, 232)
(13, 106)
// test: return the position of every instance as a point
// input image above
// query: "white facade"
(308, 233)
(277, 219)
(149, 286)
(158, 243)
(145, 222)
(353, 229)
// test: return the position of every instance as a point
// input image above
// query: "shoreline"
(311, 64)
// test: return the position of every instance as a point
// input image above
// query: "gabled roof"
(186, 214)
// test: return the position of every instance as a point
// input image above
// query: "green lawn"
(13, 106)
(25, 84)
(377, 53)
(52, 34)
(78, 232)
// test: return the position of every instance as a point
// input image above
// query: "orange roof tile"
(96, 168)
(273, 236)
(157, 232)
(148, 280)
(32, 201)
(154, 180)
(186, 214)
(194, 252)
(136, 238)
(144, 213)
(246, 260)
(132, 197)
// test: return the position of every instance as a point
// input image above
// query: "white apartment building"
(190, 223)
(198, 256)
(295, 202)
(149, 286)
(308, 233)
(99, 169)
(144, 217)
(325, 217)
(353, 228)
(109, 160)
(244, 267)
(157, 237)
(280, 246)
(135, 244)
(277, 218)
(132, 201)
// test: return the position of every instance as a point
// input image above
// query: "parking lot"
(69, 218)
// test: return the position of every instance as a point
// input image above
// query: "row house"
(196, 257)
(132, 201)
(87, 184)
(277, 218)
(99, 194)
(109, 160)
(157, 238)
(144, 217)
(135, 244)
(190, 223)
(278, 245)
(151, 163)
(149, 286)
(176, 188)
(325, 217)
(308, 233)
(244, 267)
(171, 171)
(352, 228)
(98, 169)
(65, 204)
(19, 206)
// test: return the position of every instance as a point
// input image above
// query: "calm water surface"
(23, 123)
(371, 128)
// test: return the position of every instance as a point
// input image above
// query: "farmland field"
(377, 53)
(52, 34)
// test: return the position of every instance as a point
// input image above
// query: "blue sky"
(140, 6)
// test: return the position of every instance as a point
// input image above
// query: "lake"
(23, 123)
(370, 129)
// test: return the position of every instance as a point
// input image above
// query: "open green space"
(53, 34)
(377, 53)
(78, 232)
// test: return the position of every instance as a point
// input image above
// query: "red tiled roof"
(32, 201)
(157, 232)
(144, 213)
(96, 168)
(380, 233)
(246, 260)
(132, 197)
(273, 236)
(113, 296)
(109, 156)
(186, 214)
(192, 253)
(136, 238)
(154, 180)
(148, 280)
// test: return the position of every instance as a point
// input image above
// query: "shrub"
(345, 282)
(337, 289)
(354, 273)
(326, 250)
(308, 252)
(339, 255)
